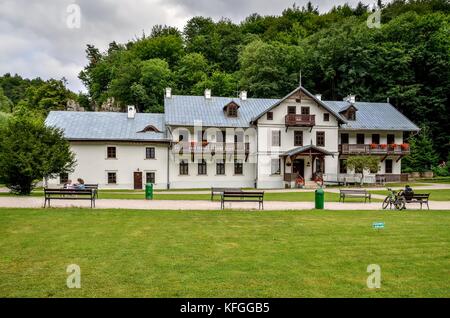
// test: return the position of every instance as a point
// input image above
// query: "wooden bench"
(219, 191)
(69, 194)
(354, 193)
(418, 198)
(241, 196)
(93, 186)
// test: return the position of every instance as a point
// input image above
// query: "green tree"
(360, 164)
(156, 75)
(423, 157)
(6, 105)
(30, 152)
(191, 69)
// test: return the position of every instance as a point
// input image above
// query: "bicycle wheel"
(386, 202)
(400, 203)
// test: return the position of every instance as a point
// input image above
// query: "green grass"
(268, 196)
(437, 180)
(435, 195)
(223, 254)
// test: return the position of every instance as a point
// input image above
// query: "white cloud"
(36, 41)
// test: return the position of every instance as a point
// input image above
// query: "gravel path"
(35, 202)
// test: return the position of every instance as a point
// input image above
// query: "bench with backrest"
(69, 194)
(93, 186)
(219, 191)
(421, 198)
(354, 193)
(242, 196)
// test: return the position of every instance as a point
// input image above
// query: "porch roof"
(306, 150)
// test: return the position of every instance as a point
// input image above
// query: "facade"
(207, 141)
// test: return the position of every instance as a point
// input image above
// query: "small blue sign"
(378, 225)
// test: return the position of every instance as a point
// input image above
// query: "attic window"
(150, 128)
(231, 109)
(349, 112)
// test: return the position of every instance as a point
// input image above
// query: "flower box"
(383, 146)
(404, 146)
(373, 146)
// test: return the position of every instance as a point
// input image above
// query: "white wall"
(266, 151)
(93, 165)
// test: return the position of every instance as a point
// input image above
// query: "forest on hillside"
(406, 59)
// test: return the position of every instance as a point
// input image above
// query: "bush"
(30, 152)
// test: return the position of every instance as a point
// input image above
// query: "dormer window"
(231, 109)
(150, 128)
(349, 112)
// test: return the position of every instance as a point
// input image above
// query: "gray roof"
(300, 149)
(374, 116)
(183, 110)
(107, 125)
(313, 97)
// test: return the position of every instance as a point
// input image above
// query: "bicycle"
(394, 199)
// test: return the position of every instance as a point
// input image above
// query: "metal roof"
(301, 149)
(313, 97)
(374, 116)
(184, 110)
(107, 125)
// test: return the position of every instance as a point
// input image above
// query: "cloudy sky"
(41, 37)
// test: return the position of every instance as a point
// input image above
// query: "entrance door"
(138, 180)
(298, 167)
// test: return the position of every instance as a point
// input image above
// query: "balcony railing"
(374, 149)
(300, 120)
(212, 147)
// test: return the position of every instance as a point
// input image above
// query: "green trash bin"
(149, 191)
(320, 198)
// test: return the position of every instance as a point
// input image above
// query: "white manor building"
(207, 141)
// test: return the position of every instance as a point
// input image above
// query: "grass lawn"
(435, 195)
(274, 196)
(223, 254)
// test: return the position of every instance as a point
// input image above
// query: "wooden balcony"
(300, 120)
(373, 149)
(212, 147)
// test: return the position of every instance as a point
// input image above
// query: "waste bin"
(149, 191)
(320, 198)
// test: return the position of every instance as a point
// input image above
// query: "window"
(150, 153)
(360, 139)
(269, 115)
(238, 167)
(388, 166)
(232, 110)
(112, 178)
(305, 110)
(275, 166)
(184, 168)
(276, 138)
(351, 114)
(390, 139)
(376, 139)
(292, 110)
(202, 167)
(239, 136)
(344, 139)
(111, 152)
(63, 178)
(298, 138)
(320, 138)
(320, 165)
(150, 177)
(220, 168)
(342, 166)
(326, 117)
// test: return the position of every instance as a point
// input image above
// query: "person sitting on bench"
(80, 185)
(68, 185)
(408, 192)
